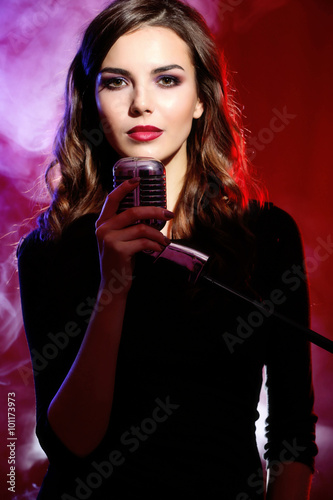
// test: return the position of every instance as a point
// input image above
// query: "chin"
(142, 151)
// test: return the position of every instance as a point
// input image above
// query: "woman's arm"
(290, 425)
(79, 412)
(293, 482)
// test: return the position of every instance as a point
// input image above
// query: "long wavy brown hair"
(218, 184)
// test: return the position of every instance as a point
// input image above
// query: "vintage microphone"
(152, 192)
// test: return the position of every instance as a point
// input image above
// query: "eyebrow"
(156, 71)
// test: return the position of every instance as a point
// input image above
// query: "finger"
(130, 234)
(145, 232)
(135, 246)
(114, 198)
(133, 215)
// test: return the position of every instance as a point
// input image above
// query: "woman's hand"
(120, 238)
(89, 383)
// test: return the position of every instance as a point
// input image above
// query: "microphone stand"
(195, 261)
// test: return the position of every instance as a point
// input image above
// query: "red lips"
(144, 133)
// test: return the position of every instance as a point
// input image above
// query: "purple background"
(280, 54)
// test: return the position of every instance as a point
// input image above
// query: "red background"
(280, 55)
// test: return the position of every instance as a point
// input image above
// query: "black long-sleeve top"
(189, 369)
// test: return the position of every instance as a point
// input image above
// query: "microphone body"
(151, 190)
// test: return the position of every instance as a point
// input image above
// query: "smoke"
(35, 55)
(38, 41)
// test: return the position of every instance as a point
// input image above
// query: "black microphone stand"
(195, 261)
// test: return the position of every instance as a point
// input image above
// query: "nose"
(142, 101)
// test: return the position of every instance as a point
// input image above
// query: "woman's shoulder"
(31, 245)
(278, 240)
(35, 246)
(269, 219)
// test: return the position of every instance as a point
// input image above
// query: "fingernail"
(134, 180)
(168, 214)
(167, 241)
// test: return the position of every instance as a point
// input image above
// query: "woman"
(145, 385)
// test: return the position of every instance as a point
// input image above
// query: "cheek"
(109, 119)
(181, 115)
(185, 103)
(107, 125)
(109, 109)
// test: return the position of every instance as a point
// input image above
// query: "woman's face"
(146, 95)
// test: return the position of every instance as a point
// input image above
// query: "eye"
(113, 83)
(168, 81)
